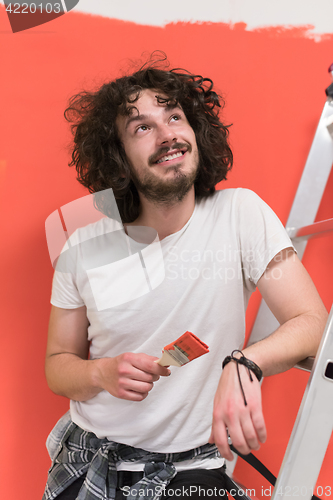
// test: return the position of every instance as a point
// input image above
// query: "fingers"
(131, 372)
(247, 439)
(147, 364)
(142, 367)
(135, 375)
(243, 423)
(244, 436)
(133, 390)
(219, 436)
(259, 426)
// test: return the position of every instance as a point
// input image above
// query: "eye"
(175, 118)
(142, 128)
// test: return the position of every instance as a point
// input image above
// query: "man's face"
(161, 148)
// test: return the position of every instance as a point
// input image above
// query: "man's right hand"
(130, 375)
(70, 373)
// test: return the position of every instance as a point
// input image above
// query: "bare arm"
(292, 297)
(70, 373)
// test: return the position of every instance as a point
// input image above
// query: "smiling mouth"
(179, 154)
(166, 154)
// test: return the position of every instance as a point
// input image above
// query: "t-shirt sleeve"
(69, 287)
(64, 291)
(262, 236)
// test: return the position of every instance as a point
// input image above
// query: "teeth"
(170, 157)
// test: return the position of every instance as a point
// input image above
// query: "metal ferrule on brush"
(178, 355)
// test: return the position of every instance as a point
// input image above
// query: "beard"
(166, 192)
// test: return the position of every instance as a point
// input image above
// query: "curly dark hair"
(98, 154)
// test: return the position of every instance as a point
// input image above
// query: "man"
(156, 139)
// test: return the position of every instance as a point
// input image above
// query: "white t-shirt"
(212, 266)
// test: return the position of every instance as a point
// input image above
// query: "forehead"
(149, 98)
(150, 103)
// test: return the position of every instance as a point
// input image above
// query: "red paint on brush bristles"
(190, 344)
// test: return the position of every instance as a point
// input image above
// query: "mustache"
(163, 151)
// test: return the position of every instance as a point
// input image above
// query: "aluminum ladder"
(314, 423)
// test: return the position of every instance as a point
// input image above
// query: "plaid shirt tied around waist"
(80, 452)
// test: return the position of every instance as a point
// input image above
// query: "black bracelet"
(250, 365)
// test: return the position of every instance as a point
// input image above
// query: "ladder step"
(306, 364)
(312, 231)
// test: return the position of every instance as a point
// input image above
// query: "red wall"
(273, 81)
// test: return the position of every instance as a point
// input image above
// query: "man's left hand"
(243, 423)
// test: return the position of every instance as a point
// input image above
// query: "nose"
(166, 136)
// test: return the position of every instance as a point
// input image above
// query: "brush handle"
(167, 360)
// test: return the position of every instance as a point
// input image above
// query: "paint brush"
(183, 350)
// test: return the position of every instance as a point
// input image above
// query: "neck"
(166, 219)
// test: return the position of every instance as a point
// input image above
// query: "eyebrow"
(136, 118)
(139, 118)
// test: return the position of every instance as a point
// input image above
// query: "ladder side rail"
(305, 206)
(314, 179)
(311, 188)
(313, 427)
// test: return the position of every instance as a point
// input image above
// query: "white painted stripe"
(317, 14)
